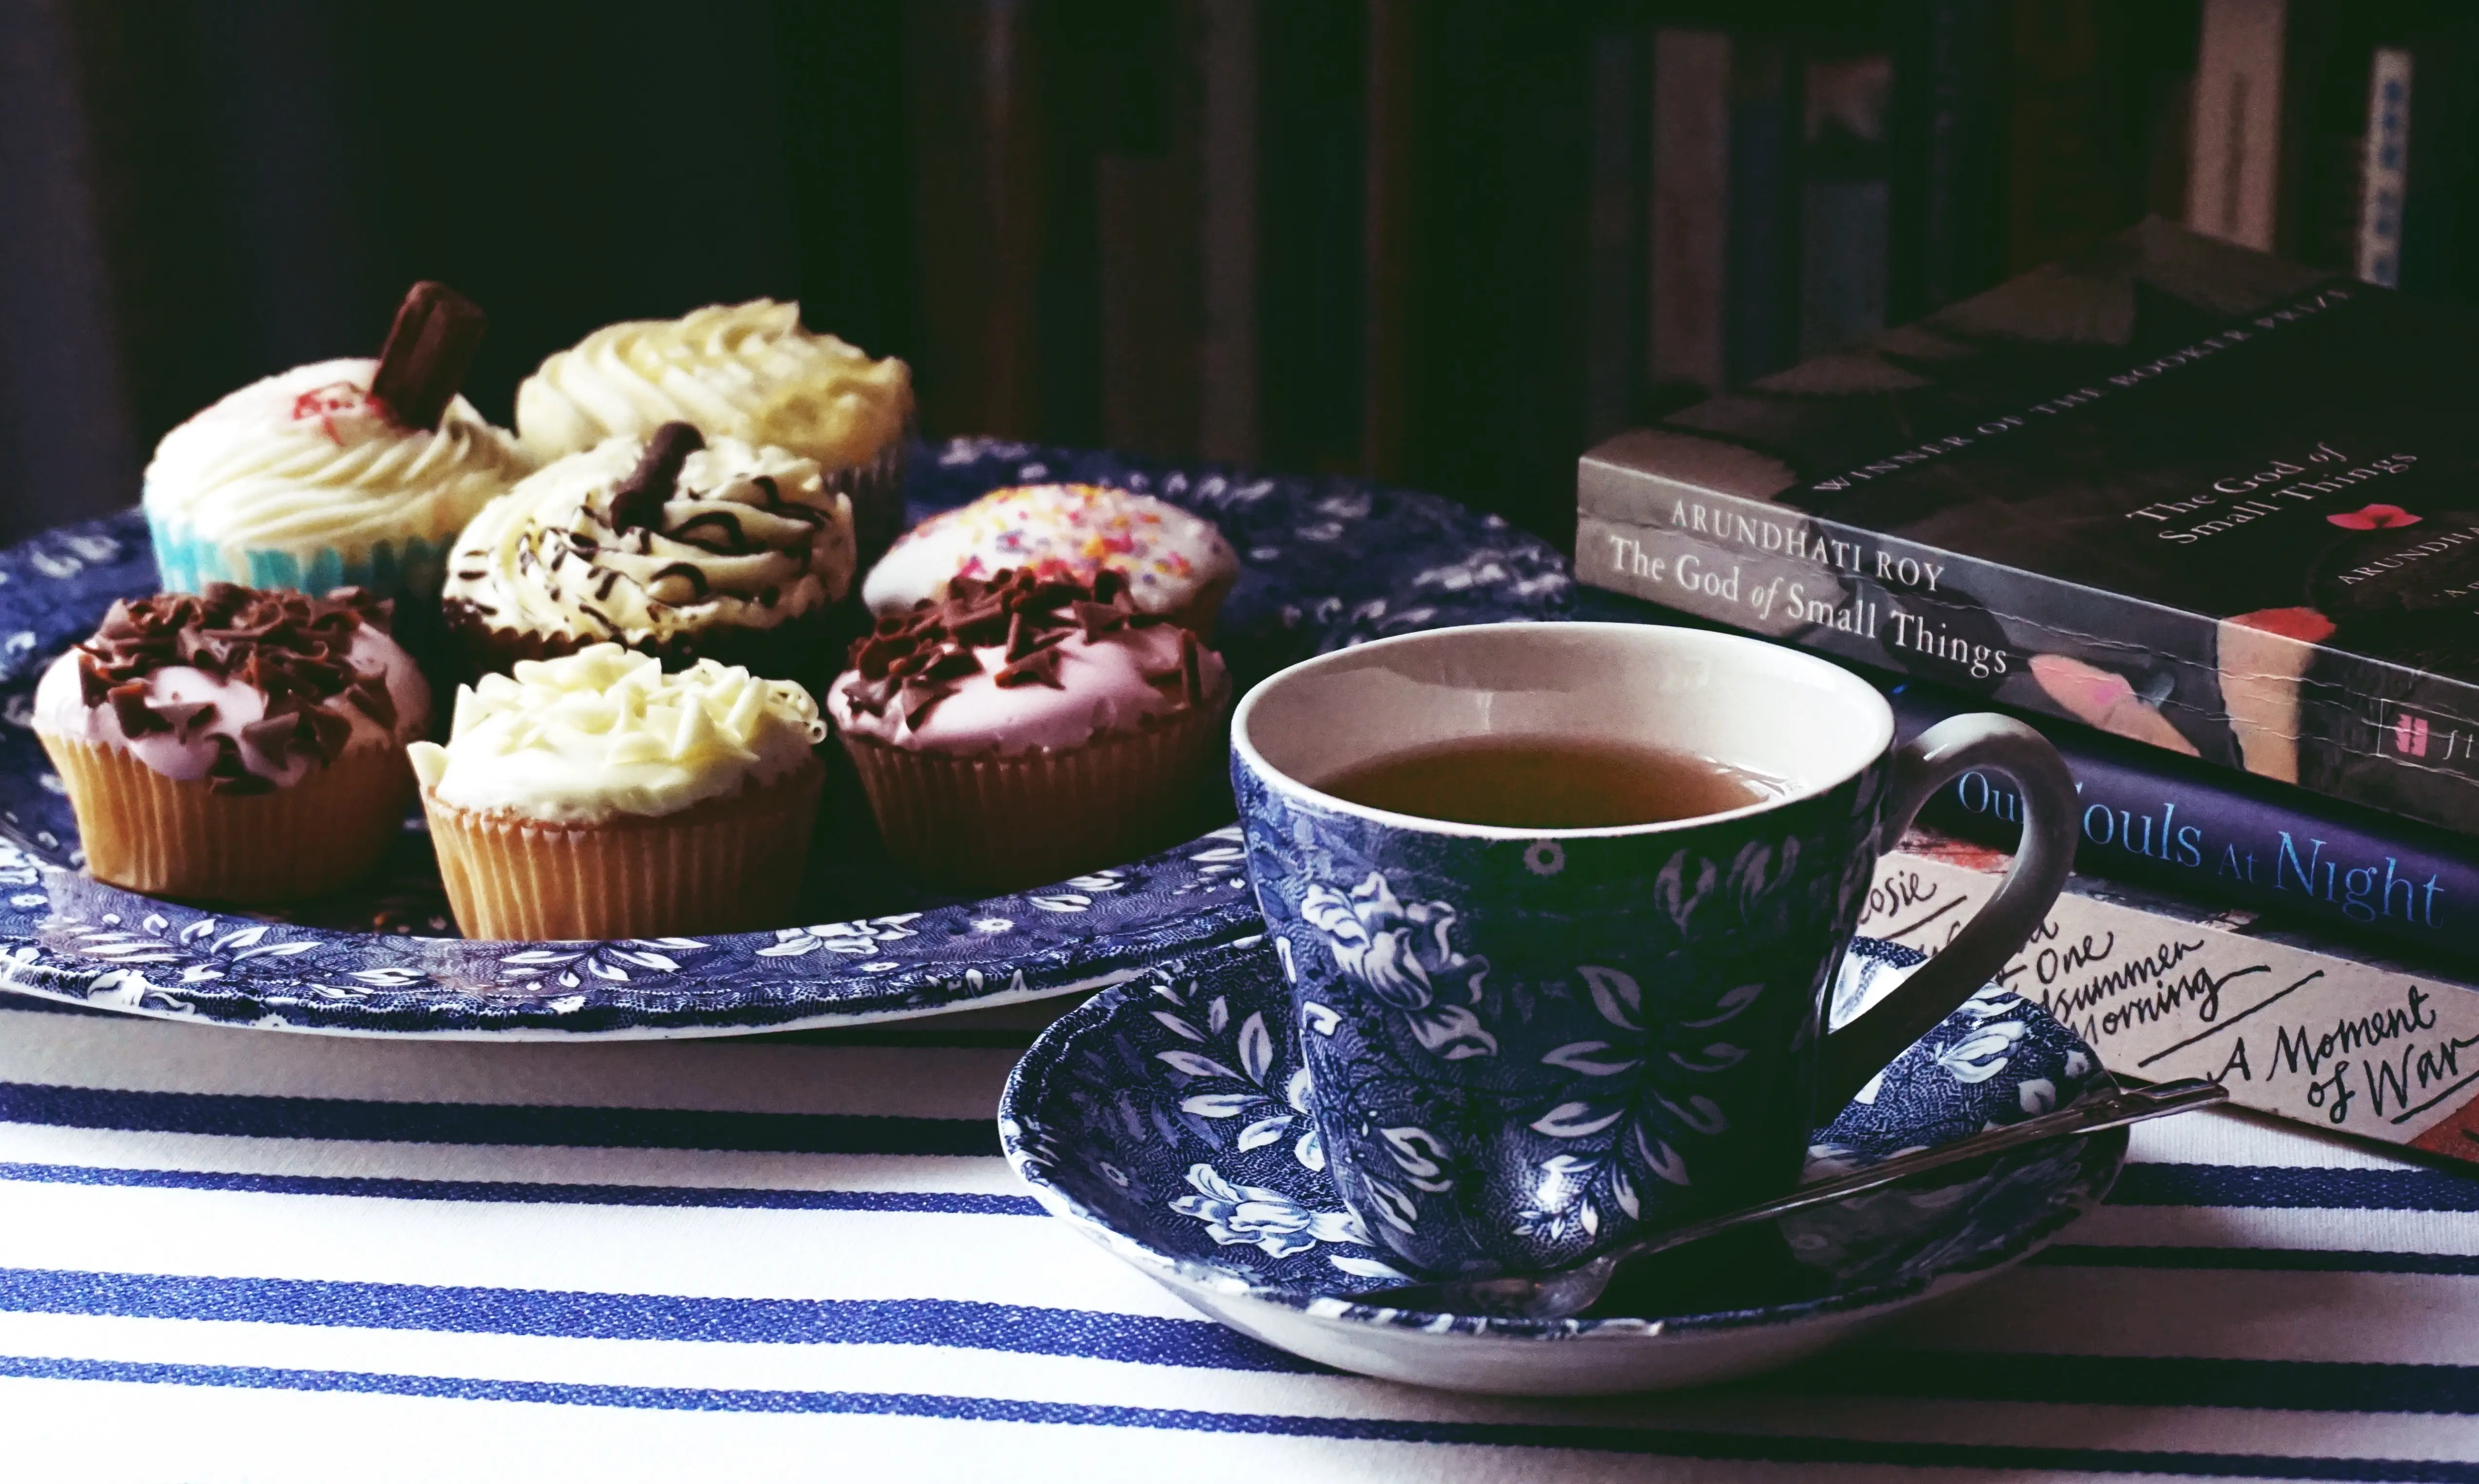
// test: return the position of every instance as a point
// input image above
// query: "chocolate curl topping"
(910, 661)
(428, 351)
(288, 646)
(637, 502)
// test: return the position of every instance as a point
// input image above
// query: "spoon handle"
(2092, 1118)
(1577, 1288)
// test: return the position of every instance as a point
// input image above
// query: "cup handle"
(1858, 1051)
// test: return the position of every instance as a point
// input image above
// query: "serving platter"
(1325, 562)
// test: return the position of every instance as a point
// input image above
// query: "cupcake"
(748, 372)
(672, 544)
(1022, 729)
(349, 471)
(595, 796)
(236, 745)
(1175, 565)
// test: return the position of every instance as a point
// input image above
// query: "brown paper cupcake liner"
(180, 838)
(726, 865)
(994, 823)
(876, 489)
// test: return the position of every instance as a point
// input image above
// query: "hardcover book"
(2184, 492)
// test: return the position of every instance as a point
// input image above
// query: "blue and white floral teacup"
(1526, 1045)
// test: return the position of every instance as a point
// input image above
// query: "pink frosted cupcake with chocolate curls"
(1022, 729)
(238, 745)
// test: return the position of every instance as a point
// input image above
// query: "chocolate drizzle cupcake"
(1025, 729)
(238, 744)
(670, 545)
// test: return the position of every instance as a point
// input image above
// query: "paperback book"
(2163, 988)
(2190, 495)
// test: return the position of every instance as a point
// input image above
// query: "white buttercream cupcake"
(594, 796)
(306, 480)
(748, 372)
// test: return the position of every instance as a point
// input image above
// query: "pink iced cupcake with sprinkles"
(1175, 565)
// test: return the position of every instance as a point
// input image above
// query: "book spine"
(1947, 185)
(2163, 990)
(1687, 242)
(2219, 837)
(1760, 265)
(2385, 178)
(1614, 221)
(1846, 203)
(2234, 178)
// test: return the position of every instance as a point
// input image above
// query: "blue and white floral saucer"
(1167, 1118)
(1325, 562)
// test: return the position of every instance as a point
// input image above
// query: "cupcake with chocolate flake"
(1023, 729)
(352, 471)
(748, 372)
(1175, 565)
(236, 745)
(594, 796)
(674, 546)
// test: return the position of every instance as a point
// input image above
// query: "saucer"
(1167, 1119)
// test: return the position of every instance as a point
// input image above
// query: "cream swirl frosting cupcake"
(671, 544)
(748, 372)
(305, 480)
(596, 796)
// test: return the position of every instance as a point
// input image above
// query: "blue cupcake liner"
(389, 568)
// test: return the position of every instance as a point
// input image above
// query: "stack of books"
(2206, 517)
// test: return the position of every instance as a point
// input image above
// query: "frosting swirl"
(1166, 555)
(641, 540)
(1020, 663)
(602, 732)
(308, 457)
(748, 372)
(246, 689)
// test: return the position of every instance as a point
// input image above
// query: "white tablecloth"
(239, 1255)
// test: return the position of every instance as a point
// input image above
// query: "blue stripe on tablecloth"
(1644, 1441)
(2281, 1186)
(2448, 1264)
(259, 1116)
(254, 1116)
(2306, 1385)
(2143, 1381)
(540, 1193)
(570, 1315)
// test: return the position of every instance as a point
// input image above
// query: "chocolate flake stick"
(428, 351)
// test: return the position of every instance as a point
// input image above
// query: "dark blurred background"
(1438, 241)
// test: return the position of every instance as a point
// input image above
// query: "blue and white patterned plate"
(1167, 1118)
(1325, 562)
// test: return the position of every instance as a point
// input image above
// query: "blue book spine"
(2213, 834)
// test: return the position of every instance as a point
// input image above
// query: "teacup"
(1528, 1045)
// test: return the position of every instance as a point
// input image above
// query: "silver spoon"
(1564, 1294)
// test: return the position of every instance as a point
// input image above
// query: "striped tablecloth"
(237, 1255)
